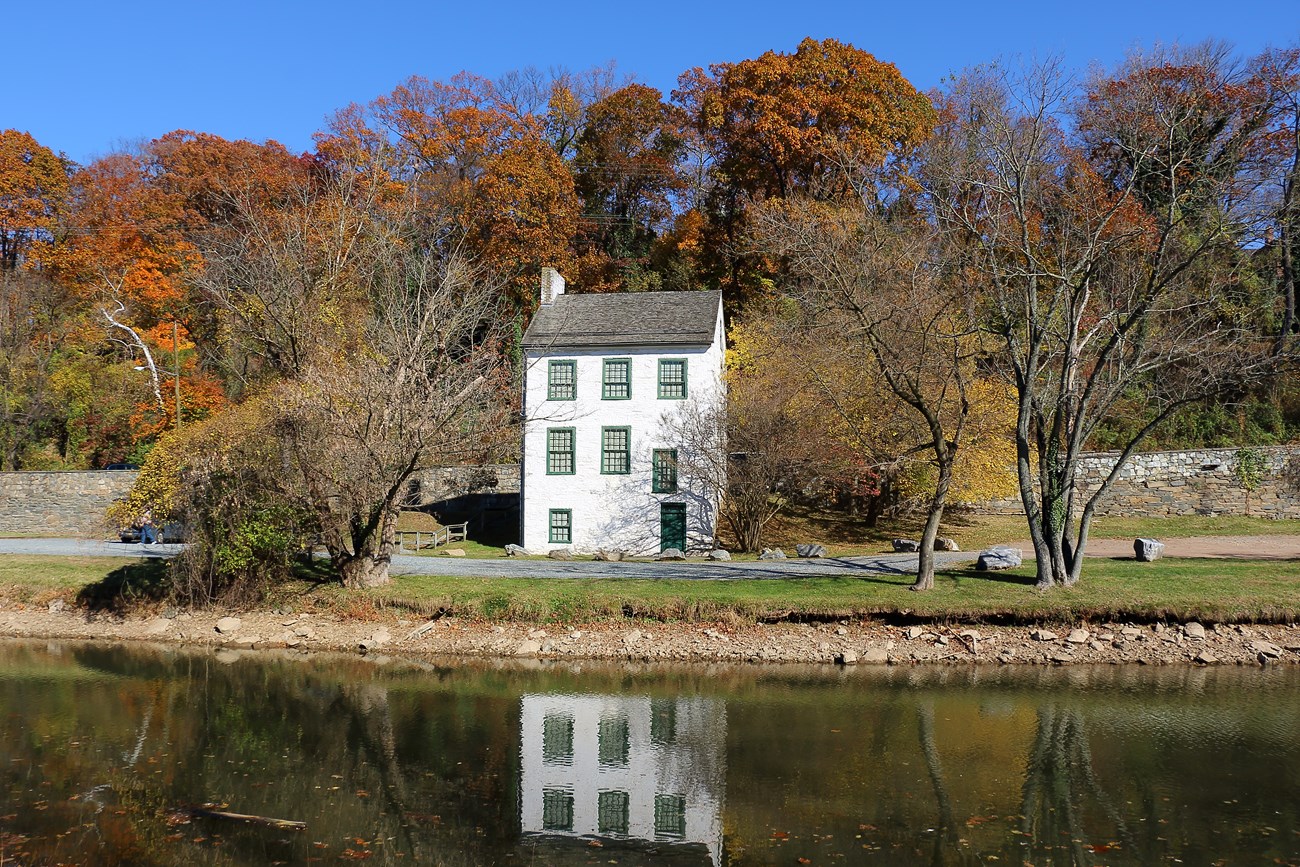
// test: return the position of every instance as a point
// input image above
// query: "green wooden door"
(672, 526)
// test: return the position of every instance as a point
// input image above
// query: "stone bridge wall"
(60, 504)
(1193, 482)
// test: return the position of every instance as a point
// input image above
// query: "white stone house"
(608, 380)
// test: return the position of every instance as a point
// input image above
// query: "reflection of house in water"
(624, 768)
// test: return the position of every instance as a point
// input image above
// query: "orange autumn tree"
(470, 158)
(782, 125)
(33, 195)
(626, 167)
(130, 245)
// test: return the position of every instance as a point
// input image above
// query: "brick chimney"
(552, 286)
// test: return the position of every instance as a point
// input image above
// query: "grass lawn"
(846, 536)
(97, 581)
(1212, 590)
(1205, 589)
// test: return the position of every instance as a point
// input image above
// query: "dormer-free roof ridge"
(682, 318)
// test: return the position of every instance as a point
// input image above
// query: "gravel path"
(884, 564)
(1278, 547)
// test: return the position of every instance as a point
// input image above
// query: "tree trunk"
(1288, 220)
(366, 570)
(925, 557)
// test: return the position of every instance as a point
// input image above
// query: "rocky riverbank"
(846, 643)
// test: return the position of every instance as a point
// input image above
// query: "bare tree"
(384, 336)
(1279, 70)
(876, 287)
(1104, 256)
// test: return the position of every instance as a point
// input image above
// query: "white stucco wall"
(614, 512)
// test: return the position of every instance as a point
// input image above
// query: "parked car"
(122, 466)
(170, 533)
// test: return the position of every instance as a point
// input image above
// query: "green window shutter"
(561, 527)
(664, 475)
(560, 458)
(672, 378)
(616, 382)
(562, 380)
(615, 450)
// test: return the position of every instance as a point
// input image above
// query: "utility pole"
(176, 369)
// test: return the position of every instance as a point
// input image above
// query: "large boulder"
(560, 554)
(515, 551)
(227, 625)
(671, 554)
(1147, 550)
(906, 546)
(999, 557)
(943, 543)
(608, 556)
(772, 554)
(810, 551)
(719, 554)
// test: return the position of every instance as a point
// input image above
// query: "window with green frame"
(672, 378)
(664, 474)
(560, 459)
(615, 450)
(557, 810)
(557, 739)
(612, 812)
(561, 527)
(670, 816)
(562, 380)
(616, 382)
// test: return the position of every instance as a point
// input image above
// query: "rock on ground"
(999, 557)
(617, 639)
(227, 625)
(1147, 550)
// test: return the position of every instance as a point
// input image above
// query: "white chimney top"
(552, 286)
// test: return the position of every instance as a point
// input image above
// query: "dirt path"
(1213, 547)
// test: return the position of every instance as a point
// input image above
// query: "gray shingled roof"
(626, 319)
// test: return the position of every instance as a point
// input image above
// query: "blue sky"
(94, 75)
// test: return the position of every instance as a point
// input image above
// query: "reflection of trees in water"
(946, 845)
(1060, 782)
(408, 775)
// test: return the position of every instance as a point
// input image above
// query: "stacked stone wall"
(446, 483)
(60, 504)
(1192, 482)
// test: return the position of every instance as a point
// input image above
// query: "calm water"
(104, 750)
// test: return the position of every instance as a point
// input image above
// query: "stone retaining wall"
(60, 504)
(1193, 482)
(447, 483)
